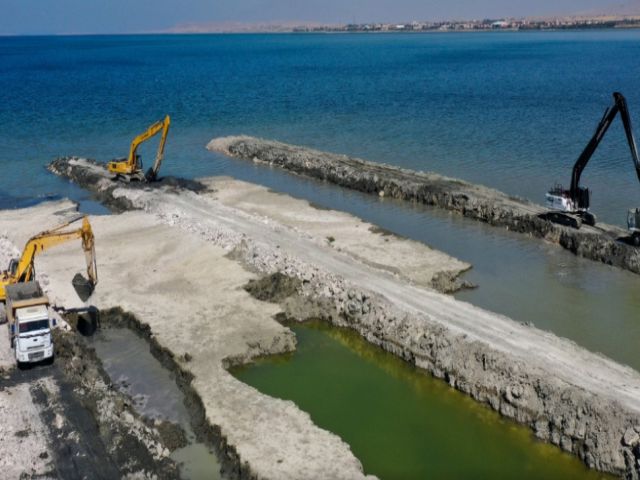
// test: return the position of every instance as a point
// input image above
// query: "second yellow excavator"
(130, 168)
(23, 270)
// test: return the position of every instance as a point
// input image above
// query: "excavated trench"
(127, 359)
(208, 437)
(140, 382)
(115, 347)
(600, 432)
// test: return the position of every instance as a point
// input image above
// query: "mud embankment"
(604, 243)
(585, 403)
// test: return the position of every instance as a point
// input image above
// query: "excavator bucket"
(151, 175)
(83, 286)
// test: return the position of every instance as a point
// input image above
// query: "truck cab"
(30, 324)
(32, 334)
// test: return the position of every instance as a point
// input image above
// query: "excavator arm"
(628, 130)
(579, 194)
(24, 270)
(131, 166)
(152, 173)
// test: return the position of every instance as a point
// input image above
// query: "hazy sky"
(121, 16)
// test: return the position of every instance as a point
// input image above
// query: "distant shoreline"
(328, 32)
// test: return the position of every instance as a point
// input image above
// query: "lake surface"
(510, 110)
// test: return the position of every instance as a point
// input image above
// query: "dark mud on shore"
(89, 179)
(112, 435)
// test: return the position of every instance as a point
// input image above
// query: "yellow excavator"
(23, 270)
(130, 168)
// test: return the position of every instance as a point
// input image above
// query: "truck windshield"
(33, 326)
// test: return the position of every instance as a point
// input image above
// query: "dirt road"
(581, 401)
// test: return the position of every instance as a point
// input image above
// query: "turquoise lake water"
(510, 110)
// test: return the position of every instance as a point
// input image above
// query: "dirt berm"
(583, 402)
(603, 243)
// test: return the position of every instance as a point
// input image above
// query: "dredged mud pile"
(604, 243)
(583, 402)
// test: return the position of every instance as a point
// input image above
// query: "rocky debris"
(411, 260)
(273, 288)
(448, 282)
(173, 437)
(605, 243)
(582, 402)
(631, 436)
(368, 244)
(594, 429)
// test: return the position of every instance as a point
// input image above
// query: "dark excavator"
(571, 207)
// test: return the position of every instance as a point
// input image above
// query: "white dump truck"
(29, 321)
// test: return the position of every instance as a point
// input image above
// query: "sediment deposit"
(583, 402)
(603, 243)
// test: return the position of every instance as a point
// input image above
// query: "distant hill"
(239, 27)
(631, 8)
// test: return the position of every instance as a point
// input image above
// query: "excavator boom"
(571, 206)
(24, 270)
(619, 107)
(628, 130)
(131, 167)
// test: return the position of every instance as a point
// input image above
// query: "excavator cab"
(130, 168)
(633, 223)
(13, 266)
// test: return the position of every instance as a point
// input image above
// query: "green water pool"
(401, 423)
